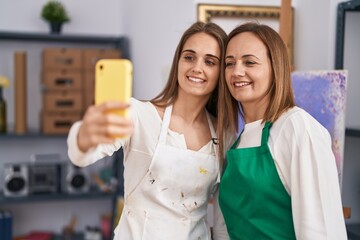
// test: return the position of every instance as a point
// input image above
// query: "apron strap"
(214, 145)
(265, 133)
(212, 129)
(264, 136)
(165, 124)
(237, 140)
(214, 137)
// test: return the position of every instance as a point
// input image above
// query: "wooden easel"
(286, 28)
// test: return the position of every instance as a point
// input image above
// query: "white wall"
(154, 28)
(87, 17)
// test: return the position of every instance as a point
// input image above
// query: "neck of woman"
(190, 109)
(254, 111)
(189, 112)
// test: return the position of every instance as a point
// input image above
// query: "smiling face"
(199, 66)
(248, 71)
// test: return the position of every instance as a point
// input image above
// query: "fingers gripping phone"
(113, 82)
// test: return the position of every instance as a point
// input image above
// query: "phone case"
(113, 82)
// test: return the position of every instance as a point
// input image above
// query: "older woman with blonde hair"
(280, 179)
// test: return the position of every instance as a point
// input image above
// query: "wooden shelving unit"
(118, 42)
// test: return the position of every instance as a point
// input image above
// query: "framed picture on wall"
(230, 16)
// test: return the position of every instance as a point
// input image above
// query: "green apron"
(252, 197)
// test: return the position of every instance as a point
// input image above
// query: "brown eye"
(229, 64)
(210, 62)
(188, 57)
(250, 62)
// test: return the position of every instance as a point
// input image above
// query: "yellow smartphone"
(113, 82)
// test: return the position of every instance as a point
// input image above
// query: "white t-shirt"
(301, 149)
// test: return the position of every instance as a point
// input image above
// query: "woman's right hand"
(100, 125)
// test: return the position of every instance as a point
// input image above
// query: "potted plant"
(55, 14)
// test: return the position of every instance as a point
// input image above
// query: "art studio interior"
(47, 82)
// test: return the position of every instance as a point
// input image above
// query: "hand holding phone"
(113, 82)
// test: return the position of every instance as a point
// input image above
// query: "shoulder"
(297, 122)
(140, 108)
(137, 104)
(299, 119)
(147, 126)
(144, 113)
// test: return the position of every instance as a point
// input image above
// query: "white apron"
(170, 202)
